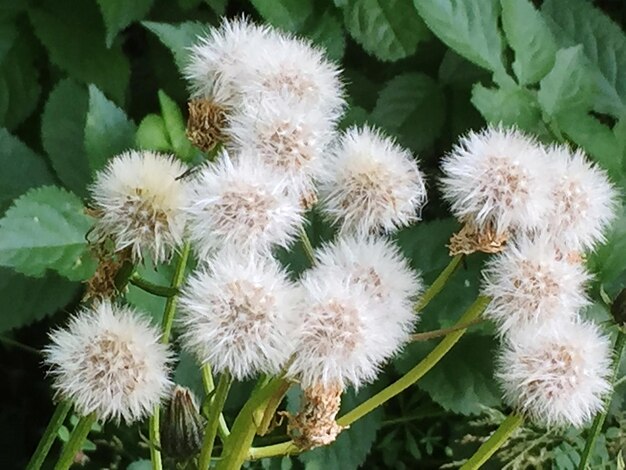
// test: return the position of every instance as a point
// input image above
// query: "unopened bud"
(182, 426)
(618, 308)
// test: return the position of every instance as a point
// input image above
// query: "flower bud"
(182, 426)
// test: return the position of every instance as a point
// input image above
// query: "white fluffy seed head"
(533, 283)
(497, 178)
(556, 375)
(242, 204)
(139, 202)
(343, 339)
(371, 184)
(109, 361)
(238, 314)
(583, 200)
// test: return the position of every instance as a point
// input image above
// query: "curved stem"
(49, 436)
(209, 386)
(78, 436)
(151, 288)
(497, 439)
(308, 247)
(168, 321)
(217, 404)
(439, 283)
(444, 331)
(598, 421)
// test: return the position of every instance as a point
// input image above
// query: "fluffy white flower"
(497, 178)
(139, 203)
(343, 339)
(242, 204)
(371, 183)
(533, 283)
(378, 266)
(557, 376)
(238, 314)
(583, 199)
(109, 361)
(219, 60)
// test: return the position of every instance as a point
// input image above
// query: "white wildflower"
(242, 204)
(238, 314)
(558, 375)
(109, 361)
(139, 200)
(371, 184)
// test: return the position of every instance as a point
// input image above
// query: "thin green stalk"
(217, 405)
(168, 321)
(74, 444)
(497, 439)
(151, 288)
(209, 386)
(49, 436)
(444, 331)
(395, 388)
(18, 345)
(439, 283)
(598, 421)
(308, 247)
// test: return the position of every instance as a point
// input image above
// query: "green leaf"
(73, 33)
(604, 46)
(8, 35)
(152, 134)
(118, 14)
(412, 107)
(45, 229)
(108, 131)
(151, 304)
(28, 299)
(176, 129)
(177, 38)
(327, 31)
(470, 28)
(353, 445)
(568, 85)
(388, 29)
(289, 15)
(530, 37)
(22, 169)
(63, 134)
(218, 6)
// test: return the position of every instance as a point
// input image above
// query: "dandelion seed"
(139, 204)
(109, 361)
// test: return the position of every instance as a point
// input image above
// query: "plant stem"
(308, 247)
(210, 432)
(497, 439)
(168, 320)
(74, 444)
(49, 435)
(209, 386)
(151, 288)
(18, 345)
(395, 388)
(601, 416)
(439, 283)
(444, 331)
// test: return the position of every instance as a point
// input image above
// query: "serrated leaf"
(45, 229)
(412, 107)
(388, 29)
(108, 131)
(530, 37)
(289, 15)
(30, 299)
(327, 31)
(177, 38)
(22, 169)
(118, 14)
(152, 134)
(568, 85)
(604, 45)
(63, 134)
(73, 33)
(470, 28)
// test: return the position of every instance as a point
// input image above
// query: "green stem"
(18, 345)
(497, 439)
(269, 412)
(237, 446)
(74, 444)
(444, 331)
(217, 405)
(308, 247)
(439, 283)
(151, 288)
(49, 435)
(601, 416)
(395, 388)
(168, 321)
(209, 386)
